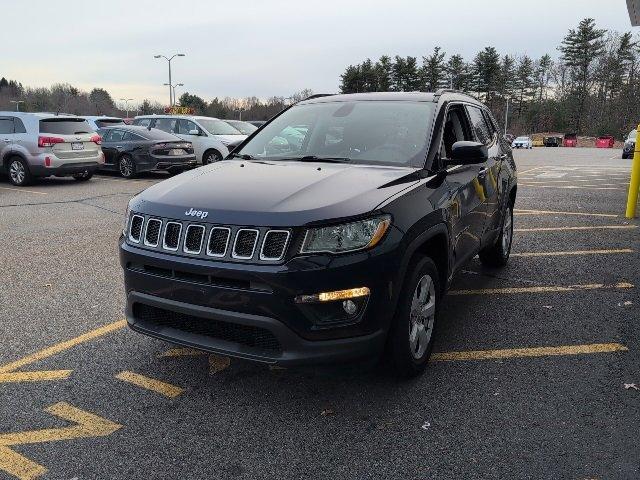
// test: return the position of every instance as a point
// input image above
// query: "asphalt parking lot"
(534, 375)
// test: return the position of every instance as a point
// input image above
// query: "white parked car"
(522, 142)
(101, 121)
(212, 138)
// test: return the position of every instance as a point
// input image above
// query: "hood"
(231, 139)
(286, 194)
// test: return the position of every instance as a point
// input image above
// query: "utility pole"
(168, 59)
(506, 116)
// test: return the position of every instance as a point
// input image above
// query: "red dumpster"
(570, 140)
(605, 141)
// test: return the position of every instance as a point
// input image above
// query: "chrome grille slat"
(135, 228)
(218, 241)
(246, 239)
(172, 231)
(193, 238)
(274, 245)
(152, 232)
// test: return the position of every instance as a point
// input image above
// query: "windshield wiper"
(315, 158)
(243, 156)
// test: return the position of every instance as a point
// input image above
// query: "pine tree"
(433, 71)
(524, 82)
(384, 68)
(486, 70)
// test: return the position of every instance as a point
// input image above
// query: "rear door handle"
(118, 146)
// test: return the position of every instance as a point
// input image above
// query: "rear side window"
(6, 125)
(479, 125)
(116, 136)
(131, 137)
(18, 126)
(166, 124)
(66, 126)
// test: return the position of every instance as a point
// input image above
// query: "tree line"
(591, 87)
(65, 98)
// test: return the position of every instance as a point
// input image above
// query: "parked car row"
(47, 144)
(568, 140)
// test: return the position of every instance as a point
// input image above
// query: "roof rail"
(318, 95)
(440, 91)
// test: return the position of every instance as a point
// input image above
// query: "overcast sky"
(264, 48)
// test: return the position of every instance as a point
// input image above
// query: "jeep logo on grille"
(197, 213)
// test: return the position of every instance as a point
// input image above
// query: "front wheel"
(412, 333)
(211, 156)
(497, 255)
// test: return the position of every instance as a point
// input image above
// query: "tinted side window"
(65, 126)
(493, 127)
(116, 135)
(18, 126)
(143, 122)
(166, 124)
(106, 135)
(6, 125)
(479, 125)
(132, 137)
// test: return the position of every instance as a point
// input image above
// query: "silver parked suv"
(45, 144)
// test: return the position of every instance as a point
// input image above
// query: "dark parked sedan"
(132, 149)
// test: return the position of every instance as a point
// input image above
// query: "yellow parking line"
(62, 346)
(554, 212)
(38, 376)
(23, 190)
(542, 289)
(571, 187)
(572, 252)
(561, 229)
(152, 384)
(528, 352)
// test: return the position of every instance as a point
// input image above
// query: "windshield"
(522, 139)
(244, 127)
(632, 135)
(218, 127)
(368, 132)
(65, 126)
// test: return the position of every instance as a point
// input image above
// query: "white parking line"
(23, 190)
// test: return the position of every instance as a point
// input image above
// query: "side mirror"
(468, 153)
(194, 132)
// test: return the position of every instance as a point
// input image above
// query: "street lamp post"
(173, 87)
(168, 59)
(506, 116)
(17, 102)
(126, 104)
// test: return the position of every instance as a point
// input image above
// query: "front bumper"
(248, 311)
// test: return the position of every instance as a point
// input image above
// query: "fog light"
(333, 296)
(349, 307)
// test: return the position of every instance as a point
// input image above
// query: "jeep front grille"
(152, 233)
(245, 243)
(231, 243)
(218, 241)
(172, 236)
(193, 239)
(135, 229)
(274, 244)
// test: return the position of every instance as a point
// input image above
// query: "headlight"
(346, 237)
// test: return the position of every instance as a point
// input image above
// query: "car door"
(183, 129)
(467, 197)
(489, 173)
(6, 136)
(108, 148)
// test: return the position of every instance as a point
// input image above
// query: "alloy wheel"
(422, 316)
(507, 231)
(17, 172)
(126, 167)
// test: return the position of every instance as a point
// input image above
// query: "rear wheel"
(211, 156)
(127, 167)
(497, 255)
(19, 173)
(412, 333)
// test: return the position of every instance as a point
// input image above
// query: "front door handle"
(118, 146)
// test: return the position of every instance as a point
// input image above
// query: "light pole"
(17, 102)
(506, 116)
(126, 104)
(173, 87)
(168, 59)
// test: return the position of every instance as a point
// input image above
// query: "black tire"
(19, 173)
(126, 166)
(625, 156)
(211, 156)
(410, 359)
(497, 255)
(83, 177)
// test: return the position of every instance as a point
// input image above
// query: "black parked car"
(552, 141)
(335, 249)
(132, 150)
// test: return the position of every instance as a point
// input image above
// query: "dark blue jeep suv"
(329, 235)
